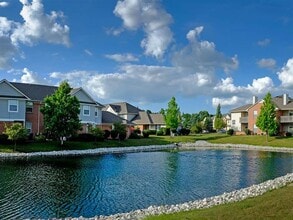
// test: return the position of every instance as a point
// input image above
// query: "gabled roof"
(110, 118)
(278, 101)
(124, 108)
(144, 118)
(74, 91)
(34, 91)
(243, 108)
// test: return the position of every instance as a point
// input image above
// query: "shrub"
(134, 135)
(4, 139)
(146, 133)
(166, 131)
(137, 131)
(247, 131)
(122, 136)
(288, 134)
(85, 137)
(98, 133)
(114, 134)
(107, 134)
(160, 132)
(152, 132)
(40, 138)
(230, 132)
(184, 131)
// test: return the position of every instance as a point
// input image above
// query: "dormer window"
(12, 105)
(86, 110)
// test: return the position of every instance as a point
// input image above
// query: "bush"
(146, 133)
(152, 132)
(160, 132)
(40, 138)
(122, 136)
(166, 131)
(247, 131)
(114, 134)
(184, 131)
(134, 135)
(84, 137)
(107, 134)
(4, 139)
(288, 134)
(137, 131)
(98, 133)
(230, 132)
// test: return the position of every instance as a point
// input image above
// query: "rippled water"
(103, 185)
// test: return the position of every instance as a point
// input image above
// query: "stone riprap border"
(96, 151)
(207, 145)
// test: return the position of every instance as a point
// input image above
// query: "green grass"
(152, 140)
(276, 204)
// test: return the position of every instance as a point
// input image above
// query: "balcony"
(244, 120)
(286, 119)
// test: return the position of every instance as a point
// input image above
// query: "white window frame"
(86, 108)
(12, 102)
(96, 112)
(29, 105)
(29, 126)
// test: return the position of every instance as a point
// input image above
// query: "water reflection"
(95, 185)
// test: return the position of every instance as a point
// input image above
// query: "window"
(254, 113)
(233, 122)
(28, 126)
(29, 107)
(86, 110)
(12, 105)
(96, 112)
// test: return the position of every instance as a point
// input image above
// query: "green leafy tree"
(219, 122)
(61, 113)
(172, 114)
(16, 132)
(266, 120)
(97, 132)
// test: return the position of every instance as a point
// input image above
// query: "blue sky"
(146, 51)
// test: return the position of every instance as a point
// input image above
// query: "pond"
(107, 184)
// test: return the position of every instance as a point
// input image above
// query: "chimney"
(254, 99)
(285, 99)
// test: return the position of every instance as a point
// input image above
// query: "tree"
(172, 114)
(16, 132)
(120, 129)
(61, 113)
(266, 120)
(219, 122)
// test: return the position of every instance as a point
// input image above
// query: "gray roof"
(33, 91)
(124, 108)
(243, 108)
(278, 101)
(149, 118)
(110, 118)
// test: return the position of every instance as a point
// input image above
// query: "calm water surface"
(107, 184)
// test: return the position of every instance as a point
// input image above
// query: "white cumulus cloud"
(286, 74)
(39, 26)
(152, 19)
(261, 85)
(202, 56)
(30, 77)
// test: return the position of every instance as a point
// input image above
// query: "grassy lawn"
(276, 204)
(153, 140)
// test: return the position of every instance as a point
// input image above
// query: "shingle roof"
(124, 108)
(278, 101)
(110, 118)
(149, 118)
(243, 108)
(33, 91)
